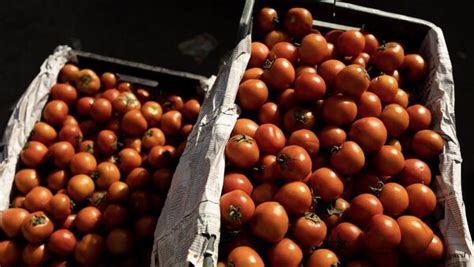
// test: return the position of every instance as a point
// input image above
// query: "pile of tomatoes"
(330, 160)
(94, 175)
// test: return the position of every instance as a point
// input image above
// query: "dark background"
(146, 33)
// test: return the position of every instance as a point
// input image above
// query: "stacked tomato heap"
(327, 163)
(93, 177)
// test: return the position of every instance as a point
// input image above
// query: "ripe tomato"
(394, 199)
(86, 146)
(295, 197)
(304, 69)
(37, 227)
(368, 105)
(64, 92)
(90, 129)
(89, 249)
(129, 159)
(173, 102)
(171, 122)
(33, 154)
(313, 49)
(309, 231)
(388, 161)
(266, 169)
(348, 158)
(385, 87)
(43, 133)
(332, 35)
(369, 133)
(88, 219)
(161, 156)
(258, 55)
(55, 112)
(10, 253)
(126, 101)
(153, 137)
(37, 198)
(284, 50)
(236, 208)
(106, 174)
(114, 216)
(322, 258)
(62, 242)
(269, 113)
(433, 253)
(298, 22)
(420, 117)
(329, 69)
(108, 79)
(144, 226)
(350, 43)
(80, 187)
(388, 57)
(395, 118)
(162, 179)
(134, 123)
(141, 202)
(422, 200)
(118, 192)
(152, 112)
(352, 81)
(84, 105)
(101, 110)
(263, 193)
(107, 142)
(98, 200)
(244, 256)
(309, 87)
(427, 144)
(363, 207)
(138, 178)
(278, 73)
(234, 181)
(298, 118)
(252, 73)
(339, 110)
(68, 73)
(34, 254)
(17, 202)
(416, 235)
(83, 163)
(125, 87)
(305, 139)
(61, 154)
(57, 179)
(71, 134)
(346, 239)
(242, 151)
(119, 241)
(270, 138)
(191, 110)
(326, 184)
(26, 179)
(368, 181)
(371, 43)
(414, 68)
(383, 233)
(269, 222)
(266, 19)
(11, 221)
(415, 171)
(285, 253)
(59, 207)
(336, 212)
(294, 163)
(287, 99)
(245, 127)
(252, 95)
(331, 136)
(87, 82)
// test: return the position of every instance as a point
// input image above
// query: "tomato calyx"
(168, 105)
(234, 213)
(335, 149)
(38, 220)
(268, 64)
(300, 116)
(84, 80)
(332, 210)
(73, 204)
(78, 138)
(377, 189)
(149, 133)
(241, 138)
(386, 46)
(98, 199)
(337, 264)
(90, 148)
(282, 160)
(95, 175)
(275, 21)
(312, 217)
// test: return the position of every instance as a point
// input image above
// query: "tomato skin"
(252, 73)
(427, 144)
(171, 122)
(422, 200)
(68, 73)
(114, 216)
(285, 50)
(269, 113)
(34, 254)
(133, 123)
(298, 22)
(152, 111)
(433, 253)
(326, 183)
(10, 253)
(33, 154)
(329, 69)
(414, 68)
(385, 87)
(305, 139)
(242, 151)
(118, 192)
(420, 117)
(37, 198)
(138, 179)
(119, 241)
(144, 226)
(279, 74)
(55, 112)
(309, 87)
(394, 199)
(37, 227)
(59, 207)
(126, 101)
(415, 171)
(72, 134)
(370, 133)
(108, 79)
(88, 219)
(64, 92)
(388, 57)
(298, 118)
(265, 19)
(43, 133)
(89, 249)
(129, 159)
(87, 82)
(352, 81)
(141, 202)
(322, 258)
(388, 161)
(244, 256)
(26, 179)
(191, 110)
(295, 197)
(236, 208)
(371, 43)
(339, 110)
(258, 55)
(363, 207)
(84, 105)
(287, 99)
(369, 105)
(252, 95)
(383, 233)
(294, 163)
(395, 118)
(336, 213)
(106, 174)
(331, 136)
(83, 163)
(264, 192)
(332, 35)
(269, 138)
(11, 221)
(161, 156)
(285, 253)
(80, 187)
(348, 159)
(346, 239)
(162, 179)
(270, 222)
(309, 231)
(61, 153)
(234, 181)
(313, 49)
(245, 127)
(62, 242)
(416, 235)
(301, 69)
(350, 43)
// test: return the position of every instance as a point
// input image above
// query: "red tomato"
(120, 241)
(141, 202)
(369, 105)
(385, 87)
(12, 220)
(57, 179)
(331, 136)
(309, 87)
(34, 254)
(348, 158)
(287, 99)
(171, 122)
(305, 139)
(134, 124)
(89, 249)
(33, 154)
(252, 95)
(64, 92)
(129, 159)
(274, 37)
(87, 82)
(245, 127)
(382, 233)
(161, 156)
(237, 208)
(43, 133)
(118, 192)
(191, 110)
(294, 163)
(304, 69)
(61, 154)
(371, 43)
(285, 253)
(285, 50)
(162, 179)
(433, 253)
(126, 101)
(138, 179)
(114, 216)
(258, 55)
(71, 134)
(37, 198)
(309, 231)
(62, 242)
(415, 171)
(363, 207)
(298, 22)
(269, 113)
(350, 43)
(125, 87)
(270, 222)
(80, 187)
(346, 239)
(26, 179)
(388, 161)
(322, 258)
(295, 197)
(269, 138)
(84, 105)
(266, 19)
(88, 220)
(394, 199)
(101, 110)
(83, 163)
(252, 73)
(422, 200)
(37, 227)
(339, 110)
(234, 181)
(326, 184)
(388, 57)
(427, 144)
(143, 95)
(263, 193)
(329, 69)
(108, 79)
(370, 133)
(420, 117)
(69, 73)
(59, 207)
(336, 212)
(395, 118)
(278, 73)
(55, 112)
(313, 49)
(242, 151)
(266, 169)
(10, 253)
(298, 118)
(145, 226)
(352, 81)
(416, 235)
(332, 35)
(414, 68)
(152, 112)
(244, 256)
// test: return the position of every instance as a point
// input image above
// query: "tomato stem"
(234, 213)
(38, 219)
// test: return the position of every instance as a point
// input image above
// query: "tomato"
(298, 22)
(89, 249)
(234, 181)
(420, 117)
(350, 43)
(294, 163)
(134, 123)
(394, 199)
(305, 69)
(427, 144)
(162, 179)
(396, 143)
(33, 154)
(186, 130)
(161, 156)
(331, 136)
(87, 82)
(10, 253)
(322, 258)
(285, 50)
(352, 81)
(17, 202)
(388, 57)
(61, 153)
(86, 146)
(236, 208)
(64, 92)
(110, 94)
(363, 207)
(298, 118)
(71, 134)
(191, 110)
(80, 187)
(143, 95)
(88, 219)
(68, 73)
(382, 233)
(101, 110)
(422, 200)
(258, 55)
(326, 184)
(245, 127)
(368, 181)
(57, 179)
(108, 79)
(106, 174)
(37, 198)
(414, 68)
(362, 59)
(368, 105)
(126, 101)
(401, 98)
(26, 179)
(43, 133)
(415, 171)
(287, 99)
(266, 19)
(371, 43)
(313, 49)
(266, 169)
(84, 105)
(416, 235)
(348, 158)
(389, 258)
(141, 202)
(388, 161)
(98, 200)
(252, 95)
(252, 73)
(11, 221)
(138, 178)
(370, 133)
(55, 112)
(433, 253)
(263, 193)
(396, 75)
(244, 256)
(37, 227)
(336, 212)
(242, 151)
(173, 102)
(339, 110)
(171, 122)
(285, 253)
(114, 216)
(59, 207)
(83, 163)
(62, 242)
(385, 87)
(278, 73)
(305, 139)
(395, 118)
(269, 222)
(358, 263)
(270, 138)
(118, 192)
(129, 159)
(309, 231)
(269, 113)
(68, 223)
(144, 226)
(332, 52)
(309, 87)
(332, 35)
(34, 254)
(153, 137)
(295, 197)
(346, 239)
(125, 87)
